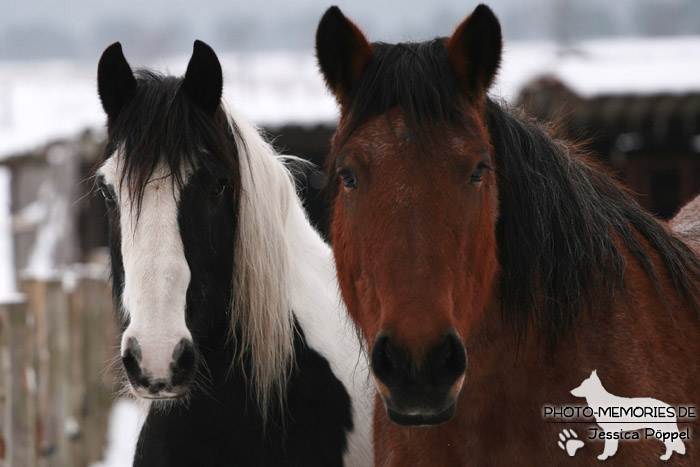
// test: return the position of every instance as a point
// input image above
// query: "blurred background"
(623, 76)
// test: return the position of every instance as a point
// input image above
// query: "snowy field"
(40, 102)
(601, 67)
(44, 101)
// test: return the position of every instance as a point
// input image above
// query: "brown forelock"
(415, 242)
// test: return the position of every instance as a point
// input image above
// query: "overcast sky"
(81, 29)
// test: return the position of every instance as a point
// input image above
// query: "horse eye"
(478, 175)
(106, 194)
(349, 179)
(219, 189)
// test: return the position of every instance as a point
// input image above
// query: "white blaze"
(156, 273)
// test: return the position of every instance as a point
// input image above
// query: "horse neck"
(309, 266)
(311, 263)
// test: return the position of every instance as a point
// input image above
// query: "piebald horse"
(234, 330)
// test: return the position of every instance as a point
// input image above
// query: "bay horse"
(462, 229)
(234, 330)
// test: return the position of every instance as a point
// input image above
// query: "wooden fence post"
(35, 291)
(56, 384)
(5, 374)
(78, 390)
(91, 305)
(48, 304)
(18, 376)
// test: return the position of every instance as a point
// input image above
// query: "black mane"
(564, 225)
(563, 230)
(160, 123)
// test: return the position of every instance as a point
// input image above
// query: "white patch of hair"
(262, 279)
(283, 270)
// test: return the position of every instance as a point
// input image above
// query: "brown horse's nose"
(446, 362)
(420, 392)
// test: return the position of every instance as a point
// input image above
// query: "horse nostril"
(447, 354)
(181, 348)
(131, 358)
(386, 359)
(183, 364)
(450, 358)
(133, 348)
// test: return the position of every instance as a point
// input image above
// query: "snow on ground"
(125, 422)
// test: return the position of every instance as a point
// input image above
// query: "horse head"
(169, 179)
(416, 202)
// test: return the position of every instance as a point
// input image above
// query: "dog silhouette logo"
(617, 415)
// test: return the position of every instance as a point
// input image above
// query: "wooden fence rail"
(56, 385)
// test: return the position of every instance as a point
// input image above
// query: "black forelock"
(160, 124)
(417, 78)
(564, 229)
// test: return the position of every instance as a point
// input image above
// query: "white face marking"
(156, 273)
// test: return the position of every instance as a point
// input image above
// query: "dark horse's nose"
(420, 392)
(180, 374)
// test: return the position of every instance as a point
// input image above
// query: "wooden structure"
(312, 144)
(56, 384)
(652, 141)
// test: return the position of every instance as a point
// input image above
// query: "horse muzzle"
(150, 381)
(419, 392)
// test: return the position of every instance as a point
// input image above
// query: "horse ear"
(203, 81)
(342, 52)
(475, 50)
(115, 80)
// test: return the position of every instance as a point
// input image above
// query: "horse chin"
(169, 394)
(421, 417)
(407, 410)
